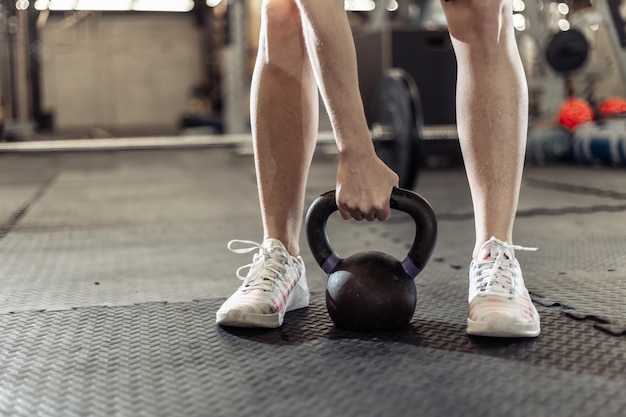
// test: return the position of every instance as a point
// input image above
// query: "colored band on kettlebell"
(331, 262)
(410, 268)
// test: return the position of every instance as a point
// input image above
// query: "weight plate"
(567, 51)
(396, 125)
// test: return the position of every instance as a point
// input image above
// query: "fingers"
(383, 214)
(344, 211)
(371, 216)
(348, 211)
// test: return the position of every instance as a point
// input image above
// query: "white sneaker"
(499, 303)
(275, 284)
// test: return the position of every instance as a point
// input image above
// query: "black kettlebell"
(372, 291)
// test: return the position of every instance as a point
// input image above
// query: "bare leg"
(284, 110)
(492, 105)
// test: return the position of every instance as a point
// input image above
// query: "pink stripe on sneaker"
(281, 303)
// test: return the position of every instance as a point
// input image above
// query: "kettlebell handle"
(404, 200)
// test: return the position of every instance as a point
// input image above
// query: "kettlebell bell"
(372, 291)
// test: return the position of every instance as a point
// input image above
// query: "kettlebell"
(372, 291)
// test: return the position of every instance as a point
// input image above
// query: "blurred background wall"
(119, 72)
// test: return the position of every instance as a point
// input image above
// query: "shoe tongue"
(491, 249)
(272, 245)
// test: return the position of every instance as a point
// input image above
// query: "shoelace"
(491, 271)
(257, 277)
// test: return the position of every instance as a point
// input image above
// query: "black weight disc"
(567, 51)
(396, 125)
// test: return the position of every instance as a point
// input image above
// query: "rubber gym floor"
(114, 262)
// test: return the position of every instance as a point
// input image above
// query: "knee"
(479, 22)
(281, 20)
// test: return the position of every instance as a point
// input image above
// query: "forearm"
(333, 58)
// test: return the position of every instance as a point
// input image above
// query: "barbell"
(396, 125)
(396, 128)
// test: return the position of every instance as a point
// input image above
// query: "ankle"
(292, 247)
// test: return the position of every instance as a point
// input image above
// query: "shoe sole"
(298, 298)
(502, 329)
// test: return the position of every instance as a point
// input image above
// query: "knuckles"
(359, 211)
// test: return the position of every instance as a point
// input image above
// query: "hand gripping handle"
(404, 200)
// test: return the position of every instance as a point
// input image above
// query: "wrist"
(361, 148)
